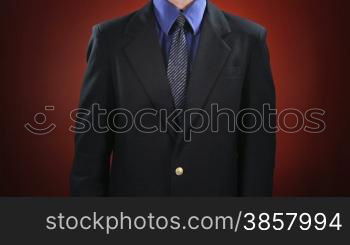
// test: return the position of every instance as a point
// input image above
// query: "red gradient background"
(43, 59)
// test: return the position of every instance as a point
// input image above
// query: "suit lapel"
(211, 57)
(145, 56)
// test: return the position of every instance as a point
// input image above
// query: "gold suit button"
(179, 171)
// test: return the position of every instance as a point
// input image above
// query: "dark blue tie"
(178, 63)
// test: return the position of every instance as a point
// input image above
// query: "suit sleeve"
(93, 143)
(257, 147)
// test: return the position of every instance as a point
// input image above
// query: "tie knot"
(180, 21)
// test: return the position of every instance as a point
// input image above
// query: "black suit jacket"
(126, 70)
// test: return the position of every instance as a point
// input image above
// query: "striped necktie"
(177, 71)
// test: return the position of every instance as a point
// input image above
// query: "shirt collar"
(166, 14)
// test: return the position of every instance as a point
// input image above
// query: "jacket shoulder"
(245, 26)
(113, 27)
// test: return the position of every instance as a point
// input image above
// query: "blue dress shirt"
(166, 14)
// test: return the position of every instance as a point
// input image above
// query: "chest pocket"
(231, 72)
